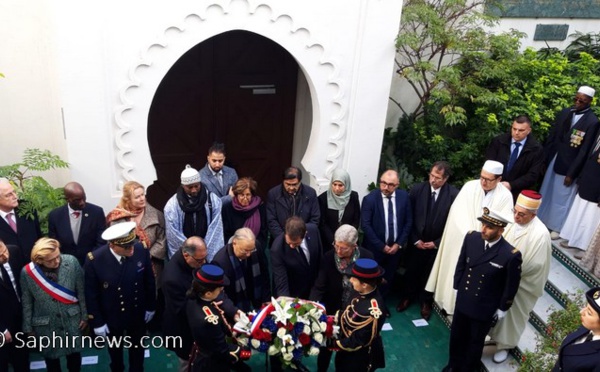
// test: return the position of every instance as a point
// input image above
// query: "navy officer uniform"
(487, 278)
(359, 347)
(120, 292)
(580, 350)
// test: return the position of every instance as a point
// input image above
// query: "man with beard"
(216, 176)
(78, 225)
(487, 278)
(193, 211)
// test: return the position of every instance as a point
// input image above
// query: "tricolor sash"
(55, 290)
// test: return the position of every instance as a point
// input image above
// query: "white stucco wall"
(97, 64)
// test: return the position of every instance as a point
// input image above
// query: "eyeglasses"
(582, 100)
(340, 247)
(488, 179)
(435, 177)
(199, 260)
(244, 196)
(519, 214)
(385, 184)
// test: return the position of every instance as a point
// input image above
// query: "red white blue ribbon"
(55, 290)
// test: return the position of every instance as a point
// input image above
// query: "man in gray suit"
(216, 176)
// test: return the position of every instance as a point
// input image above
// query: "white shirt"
(5, 216)
(12, 277)
(117, 257)
(512, 146)
(386, 213)
(304, 248)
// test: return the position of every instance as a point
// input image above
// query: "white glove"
(500, 314)
(148, 316)
(101, 331)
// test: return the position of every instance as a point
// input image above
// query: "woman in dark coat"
(245, 209)
(332, 287)
(339, 205)
(580, 350)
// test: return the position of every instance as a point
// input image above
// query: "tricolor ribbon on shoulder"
(55, 290)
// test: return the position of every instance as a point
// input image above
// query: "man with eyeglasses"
(430, 202)
(291, 198)
(520, 153)
(245, 265)
(487, 191)
(176, 281)
(386, 220)
(531, 237)
(570, 140)
(16, 228)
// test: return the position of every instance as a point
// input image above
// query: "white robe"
(465, 210)
(581, 223)
(534, 243)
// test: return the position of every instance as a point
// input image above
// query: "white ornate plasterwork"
(319, 67)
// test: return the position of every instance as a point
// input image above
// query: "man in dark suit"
(216, 176)
(430, 204)
(78, 225)
(487, 278)
(291, 198)
(386, 220)
(521, 155)
(120, 292)
(580, 350)
(245, 265)
(11, 312)
(296, 258)
(16, 229)
(570, 140)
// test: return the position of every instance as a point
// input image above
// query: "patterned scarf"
(120, 214)
(239, 281)
(341, 264)
(250, 213)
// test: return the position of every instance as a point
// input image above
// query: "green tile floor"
(407, 348)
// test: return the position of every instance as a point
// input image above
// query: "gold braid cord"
(352, 321)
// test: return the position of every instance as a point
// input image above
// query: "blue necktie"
(390, 222)
(513, 157)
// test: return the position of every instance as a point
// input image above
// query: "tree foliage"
(36, 195)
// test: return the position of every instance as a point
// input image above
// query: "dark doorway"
(238, 88)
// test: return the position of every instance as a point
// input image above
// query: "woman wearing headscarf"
(332, 287)
(580, 350)
(54, 302)
(339, 205)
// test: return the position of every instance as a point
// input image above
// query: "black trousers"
(136, 352)
(73, 363)
(17, 357)
(467, 338)
(418, 267)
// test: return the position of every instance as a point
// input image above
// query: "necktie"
(513, 157)
(487, 246)
(76, 214)
(390, 222)
(122, 260)
(7, 281)
(301, 251)
(11, 221)
(432, 202)
(589, 337)
(220, 179)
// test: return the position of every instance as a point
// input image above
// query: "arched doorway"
(238, 88)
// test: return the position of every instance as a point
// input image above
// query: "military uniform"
(118, 295)
(486, 280)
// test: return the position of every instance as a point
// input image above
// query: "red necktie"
(76, 214)
(11, 222)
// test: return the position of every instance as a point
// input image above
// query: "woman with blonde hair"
(54, 302)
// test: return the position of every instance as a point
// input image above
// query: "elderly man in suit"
(430, 202)
(521, 155)
(386, 219)
(296, 258)
(11, 311)
(78, 225)
(567, 146)
(120, 292)
(291, 198)
(487, 278)
(216, 176)
(16, 229)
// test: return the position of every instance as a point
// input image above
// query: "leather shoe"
(565, 244)
(579, 254)
(426, 311)
(500, 356)
(403, 305)
(554, 235)
(387, 312)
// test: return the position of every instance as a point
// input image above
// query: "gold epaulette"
(375, 311)
(470, 232)
(515, 250)
(90, 316)
(90, 256)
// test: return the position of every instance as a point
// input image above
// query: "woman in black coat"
(580, 350)
(339, 205)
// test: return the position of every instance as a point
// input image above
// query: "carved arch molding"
(325, 147)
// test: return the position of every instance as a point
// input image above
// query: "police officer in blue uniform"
(580, 350)
(120, 293)
(487, 278)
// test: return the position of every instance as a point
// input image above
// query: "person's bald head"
(194, 251)
(388, 182)
(75, 195)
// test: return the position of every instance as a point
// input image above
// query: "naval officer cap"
(121, 234)
(588, 91)
(493, 218)
(493, 167)
(593, 298)
(190, 176)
